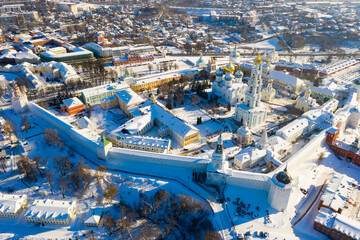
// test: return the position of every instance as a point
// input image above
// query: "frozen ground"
(268, 44)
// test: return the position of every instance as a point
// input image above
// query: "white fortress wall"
(128, 155)
(89, 148)
(304, 153)
(249, 180)
(66, 131)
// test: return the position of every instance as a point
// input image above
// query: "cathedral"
(252, 111)
(229, 87)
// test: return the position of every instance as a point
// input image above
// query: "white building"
(284, 81)
(306, 102)
(248, 157)
(201, 62)
(19, 100)
(252, 112)
(94, 95)
(356, 86)
(229, 88)
(216, 170)
(268, 93)
(243, 136)
(143, 143)
(12, 205)
(51, 212)
(235, 56)
(94, 217)
(169, 124)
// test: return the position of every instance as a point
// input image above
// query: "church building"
(252, 111)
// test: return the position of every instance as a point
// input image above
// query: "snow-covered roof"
(250, 154)
(83, 122)
(135, 124)
(94, 216)
(343, 224)
(89, 92)
(176, 124)
(338, 66)
(156, 78)
(337, 191)
(141, 140)
(293, 128)
(51, 209)
(11, 203)
(286, 78)
(72, 102)
(129, 97)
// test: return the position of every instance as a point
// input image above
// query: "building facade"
(252, 112)
(229, 87)
(306, 102)
(72, 106)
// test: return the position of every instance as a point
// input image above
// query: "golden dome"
(258, 59)
(308, 91)
(230, 67)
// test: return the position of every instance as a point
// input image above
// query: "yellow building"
(154, 82)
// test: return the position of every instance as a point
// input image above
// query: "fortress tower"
(216, 169)
(280, 190)
(19, 100)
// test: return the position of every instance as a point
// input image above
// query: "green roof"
(106, 142)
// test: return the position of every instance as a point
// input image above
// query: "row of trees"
(162, 216)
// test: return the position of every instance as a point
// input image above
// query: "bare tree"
(51, 137)
(25, 123)
(109, 192)
(7, 128)
(63, 164)
(62, 185)
(195, 100)
(37, 162)
(50, 180)
(27, 167)
(100, 174)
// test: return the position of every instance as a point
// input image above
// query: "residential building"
(51, 212)
(128, 99)
(72, 106)
(12, 205)
(150, 144)
(94, 95)
(76, 54)
(94, 216)
(338, 209)
(132, 59)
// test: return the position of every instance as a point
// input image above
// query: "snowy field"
(268, 44)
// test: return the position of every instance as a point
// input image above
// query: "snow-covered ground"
(129, 189)
(268, 44)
